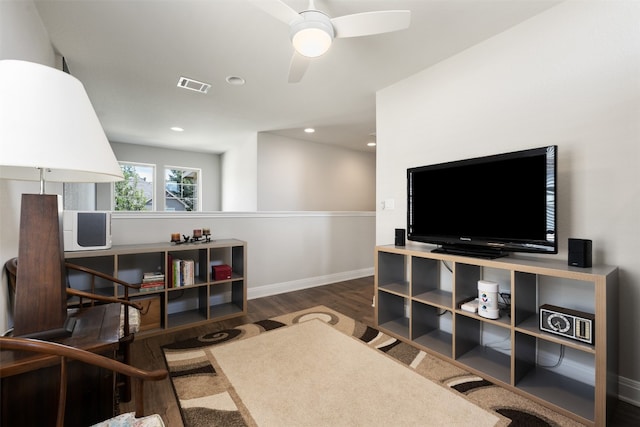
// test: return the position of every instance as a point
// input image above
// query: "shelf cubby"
(186, 306)
(394, 279)
(525, 292)
(226, 299)
(549, 382)
(427, 284)
(81, 281)
(466, 278)
(394, 316)
(131, 267)
(428, 328)
(199, 258)
(472, 350)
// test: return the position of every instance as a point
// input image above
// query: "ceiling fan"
(312, 31)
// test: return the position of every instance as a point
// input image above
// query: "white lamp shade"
(47, 121)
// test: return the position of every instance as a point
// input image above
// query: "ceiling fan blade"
(278, 10)
(298, 67)
(369, 23)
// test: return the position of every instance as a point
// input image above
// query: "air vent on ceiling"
(191, 84)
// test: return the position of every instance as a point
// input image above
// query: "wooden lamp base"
(40, 301)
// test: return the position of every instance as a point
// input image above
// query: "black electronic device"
(486, 206)
(580, 253)
(573, 324)
(400, 237)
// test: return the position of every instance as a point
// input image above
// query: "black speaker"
(400, 237)
(580, 253)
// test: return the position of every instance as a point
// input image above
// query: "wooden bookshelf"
(418, 295)
(203, 301)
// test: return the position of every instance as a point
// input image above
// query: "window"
(182, 189)
(136, 192)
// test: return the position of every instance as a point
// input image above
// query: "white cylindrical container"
(488, 299)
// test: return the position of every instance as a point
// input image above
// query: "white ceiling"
(130, 54)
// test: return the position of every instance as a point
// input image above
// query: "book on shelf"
(175, 279)
(170, 270)
(152, 276)
(152, 281)
(152, 286)
(183, 272)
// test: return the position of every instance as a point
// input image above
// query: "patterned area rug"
(207, 398)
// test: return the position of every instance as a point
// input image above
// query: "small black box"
(400, 237)
(580, 253)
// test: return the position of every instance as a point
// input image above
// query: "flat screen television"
(487, 206)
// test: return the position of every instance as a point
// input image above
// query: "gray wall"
(569, 76)
(295, 175)
(161, 157)
(286, 251)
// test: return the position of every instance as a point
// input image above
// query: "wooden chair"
(66, 353)
(85, 299)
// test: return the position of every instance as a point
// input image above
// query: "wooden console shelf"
(418, 296)
(172, 307)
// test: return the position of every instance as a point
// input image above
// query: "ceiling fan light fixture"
(312, 36)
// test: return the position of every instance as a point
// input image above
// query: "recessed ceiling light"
(235, 80)
(177, 129)
(371, 144)
(309, 130)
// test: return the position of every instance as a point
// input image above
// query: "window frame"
(198, 171)
(154, 173)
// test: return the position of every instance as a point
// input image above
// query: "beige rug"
(318, 367)
(319, 370)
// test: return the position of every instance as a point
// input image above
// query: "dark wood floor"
(352, 298)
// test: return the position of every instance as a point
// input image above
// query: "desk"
(30, 382)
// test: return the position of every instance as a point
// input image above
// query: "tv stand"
(419, 296)
(470, 252)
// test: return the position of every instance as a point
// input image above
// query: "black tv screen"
(486, 206)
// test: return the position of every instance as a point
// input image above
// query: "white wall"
(22, 36)
(569, 76)
(240, 176)
(295, 175)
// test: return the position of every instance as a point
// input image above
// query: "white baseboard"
(309, 282)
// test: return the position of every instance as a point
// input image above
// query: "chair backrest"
(11, 267)
(66, 353)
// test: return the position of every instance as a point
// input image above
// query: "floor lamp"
(49, 131)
